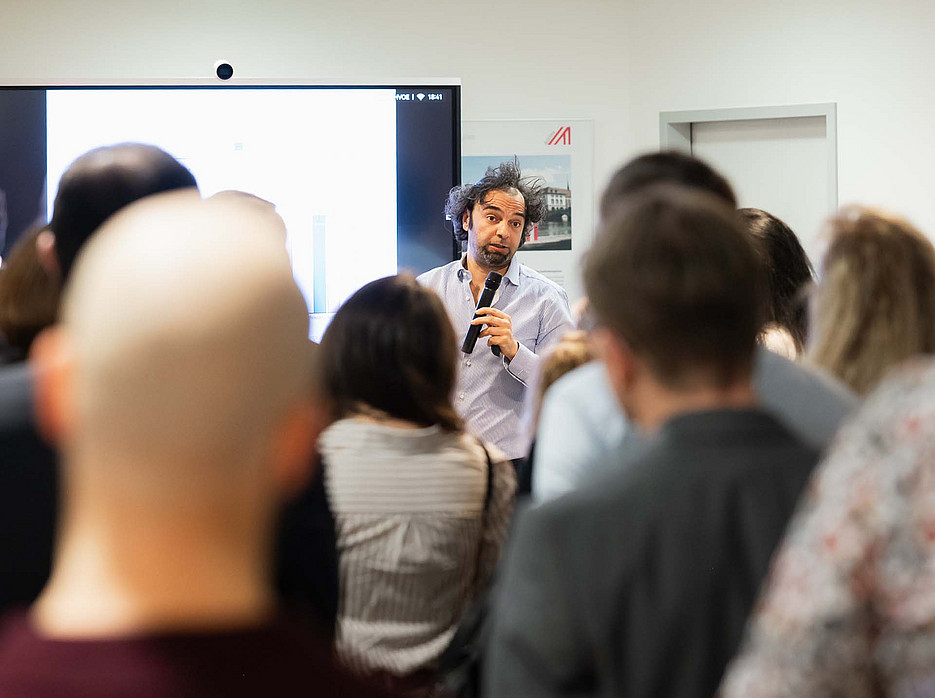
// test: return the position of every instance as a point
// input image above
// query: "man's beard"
(495, 259)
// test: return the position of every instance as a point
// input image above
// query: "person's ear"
(466, 220)
(53, 360)
(47, 253)
(623, 366)
(293, 448)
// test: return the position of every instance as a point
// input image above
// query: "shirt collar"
(512, 273)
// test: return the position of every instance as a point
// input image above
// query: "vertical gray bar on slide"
(320, 299)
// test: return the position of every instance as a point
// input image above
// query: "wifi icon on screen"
(420, 96)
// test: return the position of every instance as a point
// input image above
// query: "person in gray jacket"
(639, 584)
(580, 420)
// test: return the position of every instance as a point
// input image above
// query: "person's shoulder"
(282, 656)
(587, 391)
(276, 659)
(768, 441)
(585, 382)
(542, 283)
(619, 493)
(15, 630)
(910, 388)
(774, 368)
(16, 383)
(434, 277)
(895, 420)
(812, 403)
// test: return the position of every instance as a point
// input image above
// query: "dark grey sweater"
(640, 584)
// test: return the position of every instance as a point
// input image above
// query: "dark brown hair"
(667, 167)
(29, 297)
(788, 273)
(100, 183)
(391, 347)
(673, 274)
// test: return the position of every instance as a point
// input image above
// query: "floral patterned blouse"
(849, 608)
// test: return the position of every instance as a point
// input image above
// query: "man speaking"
(528, 315)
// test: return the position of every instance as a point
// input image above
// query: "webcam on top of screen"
(223, 70)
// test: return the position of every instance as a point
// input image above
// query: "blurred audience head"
(390, 350)
(668, 167)
(675, 282)
(101, 182)
(29, 296)
(875, 302)
(788, 275)
(259, 205)
(177, 380)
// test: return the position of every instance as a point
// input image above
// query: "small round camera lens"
(225, 71)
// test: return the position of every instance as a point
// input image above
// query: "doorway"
(780, 159)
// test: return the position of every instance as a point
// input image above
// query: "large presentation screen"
(358, 174)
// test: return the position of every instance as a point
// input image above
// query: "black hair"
(788, 272)
(100, 183)
(391, 347)
(667, 167)
(504, 177)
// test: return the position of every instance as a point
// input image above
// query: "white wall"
(619, 63)
(875, 59)
(516, 59)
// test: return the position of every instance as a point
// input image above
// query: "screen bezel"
(234, 83)
(422, 84)
(453, 84)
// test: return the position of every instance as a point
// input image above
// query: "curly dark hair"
(504, 177)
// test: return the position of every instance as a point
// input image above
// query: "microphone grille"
(493, 280)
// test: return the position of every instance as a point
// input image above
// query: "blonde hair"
(875, 302)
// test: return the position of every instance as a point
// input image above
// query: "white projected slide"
(326, 158)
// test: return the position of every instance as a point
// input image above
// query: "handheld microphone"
(491, 284)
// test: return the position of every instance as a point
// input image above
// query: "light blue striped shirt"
(490, 391)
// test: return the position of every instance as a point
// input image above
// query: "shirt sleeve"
(556, 322)
(523, 365)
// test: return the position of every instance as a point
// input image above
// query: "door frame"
(675, 130)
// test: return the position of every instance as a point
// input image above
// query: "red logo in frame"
(561, 137)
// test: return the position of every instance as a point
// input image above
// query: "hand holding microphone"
(491, 284)
(499, 326)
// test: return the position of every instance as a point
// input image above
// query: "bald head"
(259, 205)
(100, 183)
(188, 338)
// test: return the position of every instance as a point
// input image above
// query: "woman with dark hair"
(422, 508)
(788, 275)
(28, 298)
